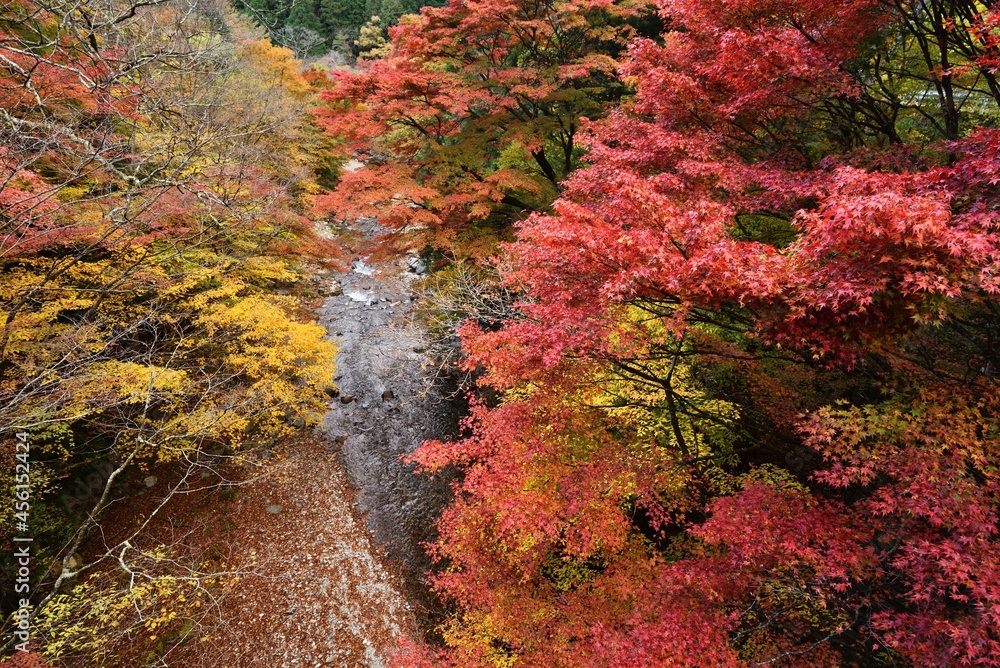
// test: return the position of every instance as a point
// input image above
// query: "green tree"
(304, 13)
(391, 11)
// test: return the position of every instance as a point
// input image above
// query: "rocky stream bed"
(389, 402)
(333, 530)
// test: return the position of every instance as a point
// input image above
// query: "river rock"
(331, 288)
(416, 265)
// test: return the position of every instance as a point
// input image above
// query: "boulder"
(330, 288)
(416, 265)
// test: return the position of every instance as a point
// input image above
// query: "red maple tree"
(792, 193)
(472, 119)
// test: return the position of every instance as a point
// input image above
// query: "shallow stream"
(389, 403)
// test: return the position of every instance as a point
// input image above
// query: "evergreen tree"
(332, 14)
(338, 22)
(373, 9)
(391, 11)
(305, 13)
(354, 14)
(271, 14)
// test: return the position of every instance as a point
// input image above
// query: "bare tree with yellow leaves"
(155, 171)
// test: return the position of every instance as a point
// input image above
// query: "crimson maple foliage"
(746, 408)
(472, 118)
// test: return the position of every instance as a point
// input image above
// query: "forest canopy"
(317, 27)
(731, 323)
(725, 279)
